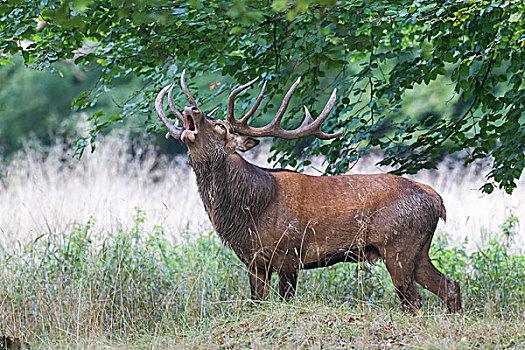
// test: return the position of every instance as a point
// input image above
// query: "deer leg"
(401, 269)
(260, 279)
(428, 276)
(287, 285)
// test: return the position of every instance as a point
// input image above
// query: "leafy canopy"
(371, 51)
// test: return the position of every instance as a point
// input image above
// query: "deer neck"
(234, 193)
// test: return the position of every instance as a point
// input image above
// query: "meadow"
(116, 251)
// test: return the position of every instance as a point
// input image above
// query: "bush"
(129, 282)
(491, 277)
(115, 283)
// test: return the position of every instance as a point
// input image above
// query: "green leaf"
(464, 70)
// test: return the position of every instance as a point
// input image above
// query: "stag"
(281, 221)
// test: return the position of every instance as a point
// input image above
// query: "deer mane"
(234, 193)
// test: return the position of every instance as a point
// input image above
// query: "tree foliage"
(36, 105)
(371, 51)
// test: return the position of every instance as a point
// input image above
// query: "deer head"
(200, 132)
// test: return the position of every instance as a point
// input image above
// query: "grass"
(136, 289)
(47, 191)
(115, 252)
(317, 325)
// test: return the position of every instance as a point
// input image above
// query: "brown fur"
(284, 221)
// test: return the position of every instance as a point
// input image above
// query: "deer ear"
(245, 143)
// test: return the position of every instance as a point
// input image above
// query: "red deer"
(282, 221)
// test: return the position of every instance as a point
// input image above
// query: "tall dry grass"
(48, 191)
(44, 192)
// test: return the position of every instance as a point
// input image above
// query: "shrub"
(120, 284)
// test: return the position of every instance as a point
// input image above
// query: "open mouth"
(190, 129)
(190, 124)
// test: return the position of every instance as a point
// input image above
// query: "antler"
(308, 127)
(173, 131)
(185, 89)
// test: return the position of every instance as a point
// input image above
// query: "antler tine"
(276, 122)
(231, 101)
(185, 89)
(324, 114)
(213, 111)
(252, 110)
(308, 123)
(307, 119)
(174, 131)
(172, 105)
(309, 126)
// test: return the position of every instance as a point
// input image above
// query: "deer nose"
(191, 109)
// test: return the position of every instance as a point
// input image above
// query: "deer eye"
(220, 128)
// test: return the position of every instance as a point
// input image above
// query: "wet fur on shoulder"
(234, 194)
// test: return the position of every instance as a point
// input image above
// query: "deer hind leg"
(287, 284)
(401, 267)
(428, 276)
(260, 278)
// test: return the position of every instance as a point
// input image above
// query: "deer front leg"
(260, 279)
(287, 285)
